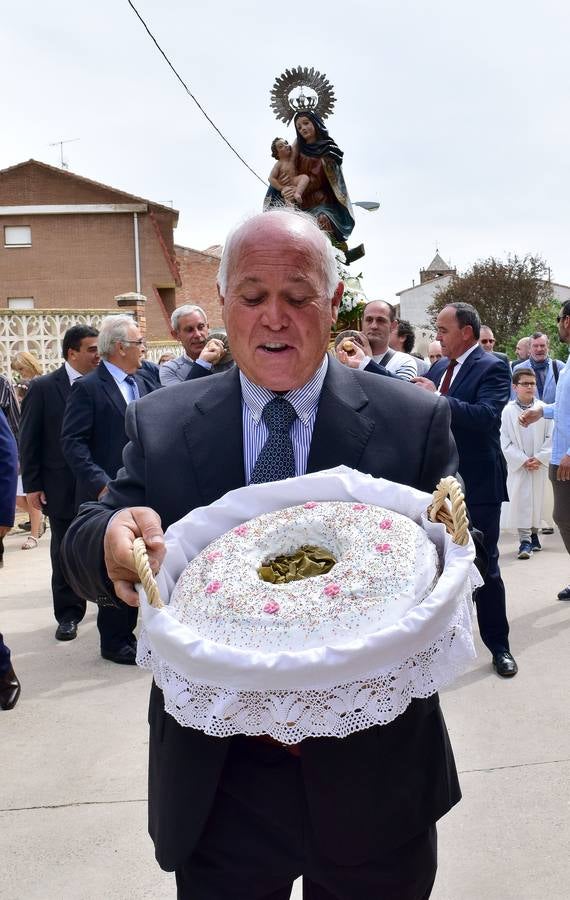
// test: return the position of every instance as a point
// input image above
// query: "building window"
(17, 236)
(20, 302)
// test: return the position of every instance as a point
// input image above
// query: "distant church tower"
(436, 269)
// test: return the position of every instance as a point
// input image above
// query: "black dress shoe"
(504, 663)
(66, 631)
(9, 689)
(125, 656)
(564, 594)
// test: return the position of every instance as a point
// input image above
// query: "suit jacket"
(93, 431)
(8, 473)
(42, 462)
(476, 399)
(378, 787)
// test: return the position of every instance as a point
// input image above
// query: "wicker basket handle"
(454, 519)
(142, 566)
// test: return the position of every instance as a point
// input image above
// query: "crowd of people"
(503, 427)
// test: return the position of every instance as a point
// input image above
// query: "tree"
(504, 294)
(543, 320)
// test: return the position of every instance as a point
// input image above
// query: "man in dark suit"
(9, 683)
(477, 387)
(48, 481)
(242, 817)
(92, 440)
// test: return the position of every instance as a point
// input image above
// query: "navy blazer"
(93, 432)
(42, 462)
(8, 472)
(476, 398)
(380, 787)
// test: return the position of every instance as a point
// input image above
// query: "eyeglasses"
(526, 384)
(140, 342)
(487, 340)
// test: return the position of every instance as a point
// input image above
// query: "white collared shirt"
(458, 363)
(72, 373)
(120, 377)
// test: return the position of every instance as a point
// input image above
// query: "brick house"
(198, 271)
(70, 243)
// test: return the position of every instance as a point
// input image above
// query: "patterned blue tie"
(276, 459)
(133, 388)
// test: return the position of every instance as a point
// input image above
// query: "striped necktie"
(133, 387)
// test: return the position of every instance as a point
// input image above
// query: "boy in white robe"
(527, 452)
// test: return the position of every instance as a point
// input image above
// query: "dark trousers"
(259, 838)
(4, 656)
(116, 625)
(490, 599)
(66, 604)
(561, 510)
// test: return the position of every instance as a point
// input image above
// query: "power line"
(190, 94)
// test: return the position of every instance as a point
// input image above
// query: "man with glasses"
(92, 439)
(559, 471)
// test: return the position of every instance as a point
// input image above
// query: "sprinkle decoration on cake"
(383, 565)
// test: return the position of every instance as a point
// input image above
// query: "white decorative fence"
(41, 333)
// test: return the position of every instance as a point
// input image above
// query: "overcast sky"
(453, 114)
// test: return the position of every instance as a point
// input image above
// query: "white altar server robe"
(525, 488)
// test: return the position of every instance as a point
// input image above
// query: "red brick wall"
(198, 273)
(82, 261)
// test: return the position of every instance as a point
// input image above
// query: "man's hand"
(37, 499)
(425, 383)
(563, 473)
(124, 527)
(529, 416)
(213, 351)
(351, 357)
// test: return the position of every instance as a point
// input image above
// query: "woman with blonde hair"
(27, 366)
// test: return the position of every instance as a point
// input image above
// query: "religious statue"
(309, 173)
(284, 176)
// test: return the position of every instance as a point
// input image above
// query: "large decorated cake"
(366, 567)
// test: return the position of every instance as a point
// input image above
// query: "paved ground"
(73, 754)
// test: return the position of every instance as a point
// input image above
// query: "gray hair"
(113, 329)
(185, 311)
(537, 335)
(329, 263)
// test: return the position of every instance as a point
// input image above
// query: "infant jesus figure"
(283, 176)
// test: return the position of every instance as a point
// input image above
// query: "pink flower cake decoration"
(332, 590)
(241, 530)
(213, 586)
(271, 607)
(383, 548)
(215, 554)
(359, 506)
(310, 504)
(385, 524)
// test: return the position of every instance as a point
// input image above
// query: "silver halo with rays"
(301, 89)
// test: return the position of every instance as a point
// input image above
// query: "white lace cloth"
(330, 690)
